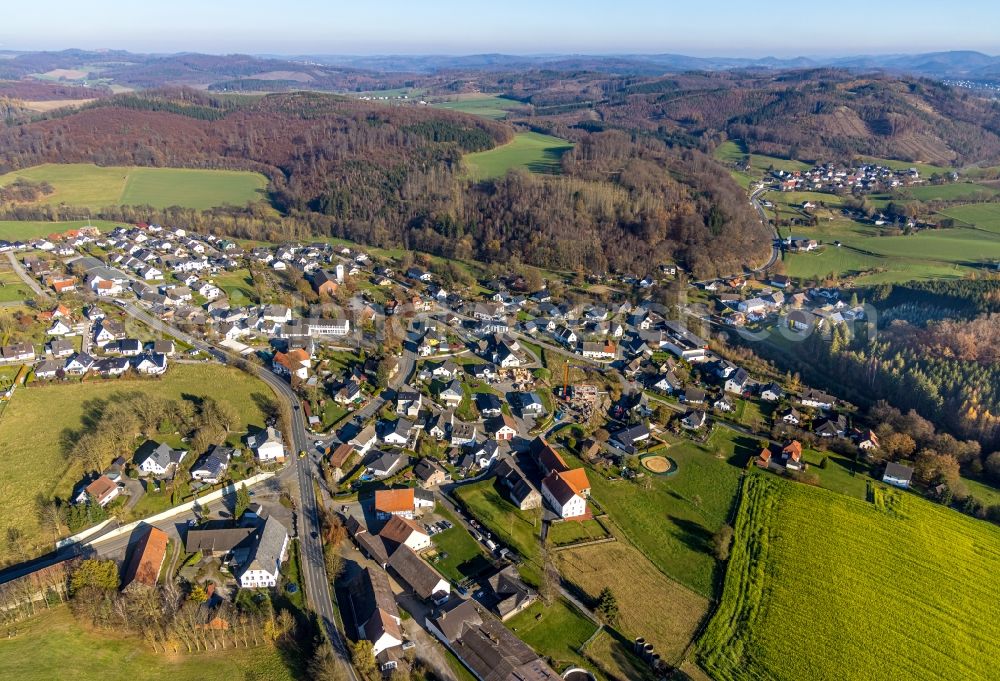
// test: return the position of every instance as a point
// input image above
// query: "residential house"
(505, 594)
(452, 394)
(737, 381)
(566, 492)
(694, 419)
(502, 427)
(384, 464)
(398, 432)
(151, 364)
(102, 491)
(529, 404)
(489, 405)
(868, 441)
(212, 466)
(519, 490)
(834, 426)
(79, 364)
(772, 392)
(294, 363)
(897, 475)
(263, 563)
(403, 531)
(816, 399)
(375, 611)
(155, 458)
(791, 454)
(266, 444)
(430, 473)
(364, 440)
(408, 403)
(791, 416)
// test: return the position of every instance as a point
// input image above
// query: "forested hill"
(819, 114)
(394, 176)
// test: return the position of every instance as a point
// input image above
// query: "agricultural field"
(946, 192)
(90, 186)
(672, 519)
(15, 230)
(650, 604)
(487, 106)
(865, 589)
(54, 645)
(872, 258)
(980, 215)
(530, 151)
(37, 426)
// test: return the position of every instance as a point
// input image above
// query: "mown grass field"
(878, 259)
(54, 645)
(910, 591)
(531, 151)
(556, 631)
(572, 532)
(90, 186)
(33, 449)
(14, 230)
(673, 521)
(521, 530)
(487, 106)
(11, 286)
(982, 215)
(465, 555)
(947, 192)
(650, 604)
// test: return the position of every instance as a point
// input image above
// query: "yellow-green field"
(823, 586)
(531, 151)
(90, 186)
(33, 428)
(54, 645)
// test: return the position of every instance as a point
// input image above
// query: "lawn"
(650, 604)
(11, 286)
(91, 186)
(54, 645)
(673, 521)
(465, 557)
(572, 532)
(518, 529)
(238, 286)
(555, 631)
(613, 654)
(14, 230)
(488, 106)
(528, 150)
(906, 591)
(37, 426)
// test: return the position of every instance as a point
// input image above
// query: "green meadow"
(530, 151)
(16, 230)
(91, 186)
(487, 106)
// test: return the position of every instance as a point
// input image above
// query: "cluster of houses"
(832, 178)
(253, 548)
(471, 629)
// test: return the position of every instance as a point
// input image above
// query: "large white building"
(267, 445)
(263, 564)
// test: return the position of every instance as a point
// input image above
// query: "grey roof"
(215, 461)
(898, 471)
(162, 453)
(216, 539)
(386, 461)
(413, 570)
(266, 553)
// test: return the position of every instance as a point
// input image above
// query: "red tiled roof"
(394, 500)
(147, 557)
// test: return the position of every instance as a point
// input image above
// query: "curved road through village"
(316, 581)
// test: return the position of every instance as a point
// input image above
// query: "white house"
(897, 475)
(154, 458)
(263, 564)
(566, 492)
(404, 531)
(267, 445)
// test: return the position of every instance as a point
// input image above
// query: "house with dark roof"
(516, 484)
(484, 645)
(505, 594)
(155, 458)
(417, 575)
(212, 466)
(897, 475)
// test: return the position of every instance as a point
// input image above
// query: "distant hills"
(344, 73)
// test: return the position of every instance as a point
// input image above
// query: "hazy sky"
(706, 27)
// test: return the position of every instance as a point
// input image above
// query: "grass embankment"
(901, 590)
